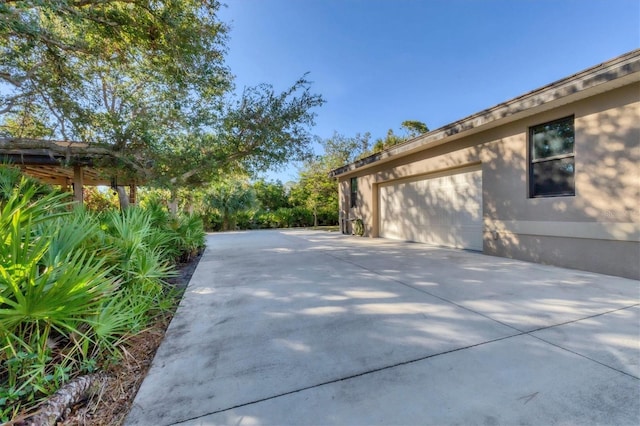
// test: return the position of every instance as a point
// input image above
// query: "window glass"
(552, 159)
(354, 191)
(554, 177)
(552, 139)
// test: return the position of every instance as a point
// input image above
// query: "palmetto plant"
(10, 177)
(191, 235)
(49, 284)
(75, 285)
(187, 230)
(118, 317)
(230, 198)
(140, 252)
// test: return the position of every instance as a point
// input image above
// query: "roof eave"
(617, 72)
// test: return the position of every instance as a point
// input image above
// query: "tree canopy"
(411, 128)
(146, 79)
(414, 128)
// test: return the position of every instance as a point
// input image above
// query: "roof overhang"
(618, 72)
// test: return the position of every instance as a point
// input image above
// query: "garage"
(444, 209)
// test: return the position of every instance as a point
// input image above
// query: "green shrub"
(213, 221)
(98, 200)
(302, 217)
(49, 285)
(358, 227)
(74, 285)
(191, 236)
(242, 220)
(284, 217)
(141, 253)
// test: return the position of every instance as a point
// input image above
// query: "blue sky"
(380, 62)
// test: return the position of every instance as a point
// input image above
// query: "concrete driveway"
(315, 328)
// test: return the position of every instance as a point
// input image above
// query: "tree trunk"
(173, 203)
(173, 207)
(58, 405)
(122, 197)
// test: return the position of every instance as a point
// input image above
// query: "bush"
(284, 217)
(302, 217)
(74, 285)
(50, 285)
(213, 221)
(327, 217)
(242, 220)
(97, 200)
(191, 236)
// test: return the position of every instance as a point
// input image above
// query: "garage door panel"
(445, 210)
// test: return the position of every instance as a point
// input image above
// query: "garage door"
(444, 210)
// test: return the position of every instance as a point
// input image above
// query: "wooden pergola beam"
(63, 162)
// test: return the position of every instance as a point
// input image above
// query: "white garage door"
(444, 210)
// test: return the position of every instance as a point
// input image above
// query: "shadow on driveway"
(308, 327)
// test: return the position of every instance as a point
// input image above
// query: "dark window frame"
(353, 192)
(563, 159)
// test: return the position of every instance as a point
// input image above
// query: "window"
(354, 192)
(551, 159)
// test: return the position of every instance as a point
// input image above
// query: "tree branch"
(67, 396)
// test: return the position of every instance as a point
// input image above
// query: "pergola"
(66, 163)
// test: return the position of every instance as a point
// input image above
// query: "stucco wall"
(597, 229)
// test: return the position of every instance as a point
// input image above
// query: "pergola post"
(78, 183)
(133, 194)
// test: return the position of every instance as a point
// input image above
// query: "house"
(552, 176)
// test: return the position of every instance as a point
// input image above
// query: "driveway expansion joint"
(349, 377)
(520, 332)
(367, 382)
(577, 353)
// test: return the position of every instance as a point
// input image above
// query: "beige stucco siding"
(597, 229)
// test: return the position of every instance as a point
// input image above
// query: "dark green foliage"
(75, 285)
(271, 195)
(414, 128)
(97, 200)
(191, 236)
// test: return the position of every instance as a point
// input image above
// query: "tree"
(121, 74)
(46, 42)
(390, 140)
(271, 195)
(229, 198)
(414, 128)
(316, 190)
(260, 130)
(147, 81)
(341, 149)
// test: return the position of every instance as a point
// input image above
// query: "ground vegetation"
(76, 285)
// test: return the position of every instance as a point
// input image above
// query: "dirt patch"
(113, 404)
